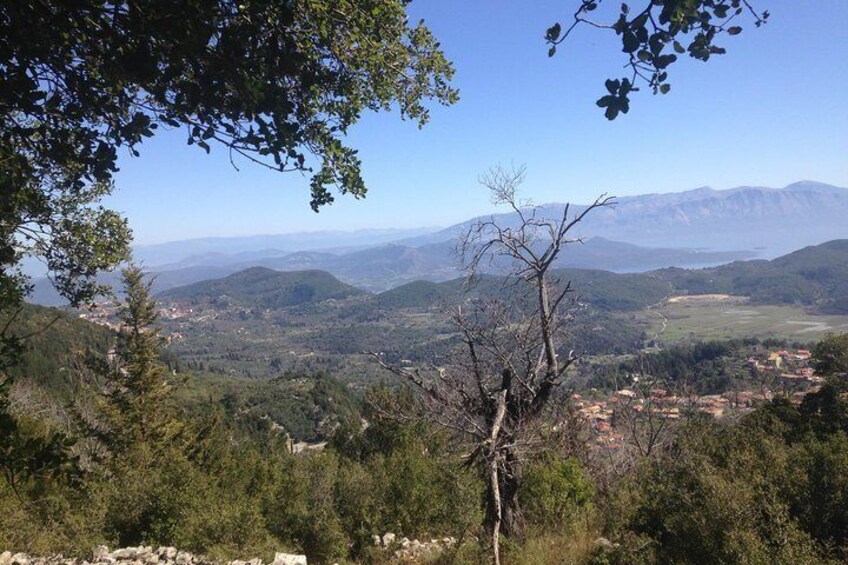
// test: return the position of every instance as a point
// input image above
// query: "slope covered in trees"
(265, 288)
(53, 339)
(815, 276)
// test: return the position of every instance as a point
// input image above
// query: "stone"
(125, 553)
(603, 542)
(100, 552)
(20, 559)
(167, 553)
(5, 558)
(388, 539)
(289, 559)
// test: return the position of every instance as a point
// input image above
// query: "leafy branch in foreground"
(277, 84)
(653, 37)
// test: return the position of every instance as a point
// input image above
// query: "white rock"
(125, 553)
(20, 559)
(5, 558)
(100, 552)
(289, 559)
(167, 553)
(388, 539)
(603, 542)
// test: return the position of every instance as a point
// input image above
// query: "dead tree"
(495, 392)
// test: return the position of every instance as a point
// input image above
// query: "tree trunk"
(494, 512)
(503, 512)
(493, 503)
(512, 522)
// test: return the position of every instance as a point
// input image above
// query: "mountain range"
(771, 221)
(815, 277)
(696, 228)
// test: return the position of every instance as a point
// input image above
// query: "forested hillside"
(264, 288)
(814, 276)
(54, 341)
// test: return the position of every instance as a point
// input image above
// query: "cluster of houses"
(106, 314)
(175, 312)
(607, 415)
(102, 314)
(787, 365)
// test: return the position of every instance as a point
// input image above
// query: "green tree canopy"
(276, 82)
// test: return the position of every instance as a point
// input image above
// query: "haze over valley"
(691, 229)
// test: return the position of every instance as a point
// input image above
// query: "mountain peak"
(812, 186)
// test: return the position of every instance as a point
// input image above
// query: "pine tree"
(138, 389)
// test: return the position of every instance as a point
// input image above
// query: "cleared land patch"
(725, 317)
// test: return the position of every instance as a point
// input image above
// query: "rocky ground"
(143, 555)
(403, 549)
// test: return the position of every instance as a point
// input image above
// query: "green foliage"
(307, 407)
(45, 215)
(269, 81)
(709, 367)
(259, 287)
(166, 498)
(277, 83)
(820, 497)
(51, 339)
(613, 291)
(137, 394)
(814, 277)
(554, 491)
(653, 34)
(770, 489)
(831, 355)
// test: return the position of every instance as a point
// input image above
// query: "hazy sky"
(772, 111)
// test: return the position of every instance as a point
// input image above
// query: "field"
(722, 316)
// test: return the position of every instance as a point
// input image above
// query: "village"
(776, 373)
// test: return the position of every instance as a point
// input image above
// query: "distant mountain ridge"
(691, 229)
(207, 250)
(773, 220)
(814, 277)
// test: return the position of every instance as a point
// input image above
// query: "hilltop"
(816, 277)
(264, 288)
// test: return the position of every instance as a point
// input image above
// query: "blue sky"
(772, 111)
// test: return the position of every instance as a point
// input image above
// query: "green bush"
(554, 492)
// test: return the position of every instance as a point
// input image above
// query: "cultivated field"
(722, 316)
